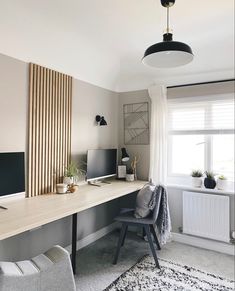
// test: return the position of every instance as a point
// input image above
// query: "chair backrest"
(157, 197)
(49, 271)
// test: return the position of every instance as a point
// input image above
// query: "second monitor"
(101, 164)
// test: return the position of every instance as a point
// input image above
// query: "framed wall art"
(136, 123)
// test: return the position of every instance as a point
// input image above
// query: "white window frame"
(208, 147)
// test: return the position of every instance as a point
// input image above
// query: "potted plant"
(209, 181)
(130, 177)
(221, 182)
(196, 178)
(72, 172)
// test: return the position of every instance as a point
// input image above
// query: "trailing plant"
(73, 170)
(196, 173)
(210, 175)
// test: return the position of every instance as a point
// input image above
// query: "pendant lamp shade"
(168, 53)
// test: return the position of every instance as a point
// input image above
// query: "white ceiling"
(102, 41)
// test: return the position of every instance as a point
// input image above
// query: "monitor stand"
(98, 183)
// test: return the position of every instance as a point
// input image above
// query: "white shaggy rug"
(145, 276)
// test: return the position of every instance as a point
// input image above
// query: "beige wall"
(88, 101)
(13, 104)
(201, 90)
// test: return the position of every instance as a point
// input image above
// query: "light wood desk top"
(27, 213)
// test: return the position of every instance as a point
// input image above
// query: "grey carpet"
(96, 272)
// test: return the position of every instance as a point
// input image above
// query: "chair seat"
(127, 215)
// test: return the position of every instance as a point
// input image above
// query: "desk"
(24, 214)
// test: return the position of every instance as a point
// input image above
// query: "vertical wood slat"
(52, 131)
(49, 134)
(69, 115)
(30, 131)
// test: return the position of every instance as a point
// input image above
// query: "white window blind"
(201, 135)
(201, 116)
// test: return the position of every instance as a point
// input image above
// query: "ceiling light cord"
(168, 20)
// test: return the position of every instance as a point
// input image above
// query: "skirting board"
(93, 236)
(204, 243)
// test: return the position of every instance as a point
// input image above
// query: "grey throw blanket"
(163, 220)
(159, 204)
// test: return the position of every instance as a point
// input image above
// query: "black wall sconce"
(100, 120)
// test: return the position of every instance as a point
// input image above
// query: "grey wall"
(88, 101)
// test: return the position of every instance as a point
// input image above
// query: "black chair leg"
(120, 241)
(124, 237)
(155, 237)
(147, 229)
(144, 233)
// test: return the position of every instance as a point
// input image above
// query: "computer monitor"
(101, 163)
(12, 173)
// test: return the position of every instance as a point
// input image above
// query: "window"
(201, 135)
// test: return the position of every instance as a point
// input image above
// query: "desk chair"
(51, 271)
(126, 217)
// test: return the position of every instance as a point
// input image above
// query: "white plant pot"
(130, 177)
(61, 188)
(197, 182)
(68, 180)
(221, 184)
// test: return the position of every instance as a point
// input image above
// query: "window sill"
(201, 190)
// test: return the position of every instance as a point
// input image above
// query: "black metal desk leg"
(74, 241)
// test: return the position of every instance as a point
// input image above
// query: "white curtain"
(158, 135)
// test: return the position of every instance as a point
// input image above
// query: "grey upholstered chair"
(127, 218)
(51, 271)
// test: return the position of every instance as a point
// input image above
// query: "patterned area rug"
(145, 276)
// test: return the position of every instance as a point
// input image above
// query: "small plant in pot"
(130, 176)
(209, 181)
(72, 173)
(196, 178)
(221, 182)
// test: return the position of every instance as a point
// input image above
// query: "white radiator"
(206, 215)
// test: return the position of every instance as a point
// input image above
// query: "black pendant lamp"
(168, 53)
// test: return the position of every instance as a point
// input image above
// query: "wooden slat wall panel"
(50, 101)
